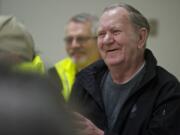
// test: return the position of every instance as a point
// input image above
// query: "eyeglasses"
(81, 39)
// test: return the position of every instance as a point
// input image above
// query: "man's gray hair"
(86, 17)
(137, 19)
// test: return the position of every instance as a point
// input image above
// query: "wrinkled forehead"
(113, 17)
(74, 28)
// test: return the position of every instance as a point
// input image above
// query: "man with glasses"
(81, 46)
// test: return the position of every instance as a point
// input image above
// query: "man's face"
(80, 44)
(118, 41)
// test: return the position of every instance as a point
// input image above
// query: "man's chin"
(75, 60)
(81, 63)
(79, 60)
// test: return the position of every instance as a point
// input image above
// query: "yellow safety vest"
(66, 70)
(36, 65)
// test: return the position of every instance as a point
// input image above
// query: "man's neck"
(122, 75)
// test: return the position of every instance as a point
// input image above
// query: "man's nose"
(108, 38)
(74, 43)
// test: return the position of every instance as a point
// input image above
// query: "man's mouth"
(112, 50)
(77, 55)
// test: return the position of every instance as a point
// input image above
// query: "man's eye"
(101, 34)
(68, 39)
(81, 39)
(116, 32)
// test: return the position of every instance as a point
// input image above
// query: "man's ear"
(143, 34)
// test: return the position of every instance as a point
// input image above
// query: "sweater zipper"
(164, 110)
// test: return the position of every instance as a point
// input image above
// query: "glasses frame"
(79, 39)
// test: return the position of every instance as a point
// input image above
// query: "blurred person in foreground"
(81, 46)
(126, 93)
(29, 105)
(17, 46)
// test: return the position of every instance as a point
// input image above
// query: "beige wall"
(46, 19)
